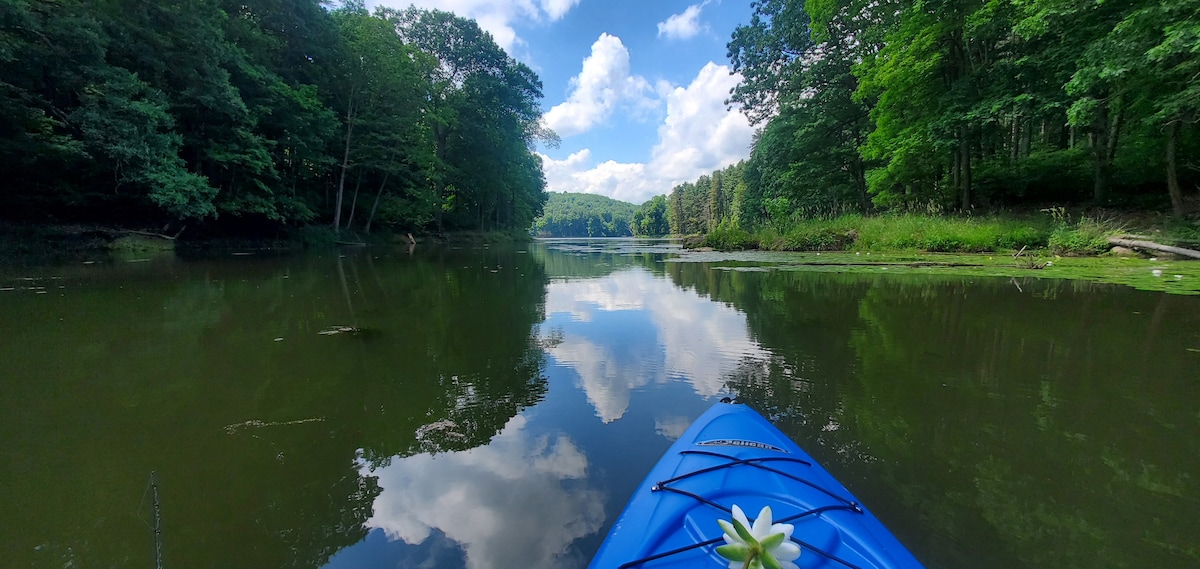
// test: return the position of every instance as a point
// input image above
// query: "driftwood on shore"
(1141, 244)
(1172, 240)
(145, 233)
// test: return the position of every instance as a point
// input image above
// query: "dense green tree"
(650, 218)
(69, 117)
(484, 119)
(258, 114)
(797, 61)
(380, 101)
(701, 206)
(952, 104)
(585, 215)
(1144, 68)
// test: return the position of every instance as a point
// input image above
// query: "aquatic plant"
(759, 545)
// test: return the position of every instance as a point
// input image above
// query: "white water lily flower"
(761, 544)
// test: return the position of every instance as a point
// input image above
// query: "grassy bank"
(1052, 230)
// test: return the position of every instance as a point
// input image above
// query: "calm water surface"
(494, 408)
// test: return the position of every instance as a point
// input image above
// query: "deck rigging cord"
(665, 486)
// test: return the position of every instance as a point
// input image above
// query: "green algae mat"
(1153, 274)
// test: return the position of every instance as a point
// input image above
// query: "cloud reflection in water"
(681, 335)
(520, 501)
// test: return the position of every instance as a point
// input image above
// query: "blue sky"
(635, 88)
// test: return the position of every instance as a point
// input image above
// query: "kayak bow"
(732, 456)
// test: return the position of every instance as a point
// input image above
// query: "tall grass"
(950, 234)
(1088, 236)
(896, 232)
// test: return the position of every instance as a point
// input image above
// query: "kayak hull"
(732, 455)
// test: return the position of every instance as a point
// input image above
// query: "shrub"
(728, 238)
(1087, 237)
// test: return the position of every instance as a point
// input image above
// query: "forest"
(951, 106)
(591, 215)
(255, 115)
(584, 215)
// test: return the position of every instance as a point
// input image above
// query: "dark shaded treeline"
(259, 114)
(953, 105)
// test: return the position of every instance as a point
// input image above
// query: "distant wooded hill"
(584, 215)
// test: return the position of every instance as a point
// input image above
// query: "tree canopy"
(711, 201)
(584, 215)
(952, 105)
(263, 113)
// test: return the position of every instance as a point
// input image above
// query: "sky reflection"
(520, 501)
(631, 329)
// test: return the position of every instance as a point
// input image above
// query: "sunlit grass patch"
(1088, 236)
(907, 232)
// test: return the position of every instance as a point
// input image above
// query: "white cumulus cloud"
(604, 83)
(495, 16)
(684, 25)
(622, 181)
(698, 135)
(557, 8)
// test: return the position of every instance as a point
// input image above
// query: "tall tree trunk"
(1114, 136)
(956, 170)
(1026, 135)
(439, 190)
(1172, 174)
(860, 182)
(1104, 147)
(964, 149)
(1014, 142)
(1099, 140)
(375, 205)
(354, 200)
(337, 208)
(439, 151)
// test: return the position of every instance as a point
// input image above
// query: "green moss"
(1176, 277)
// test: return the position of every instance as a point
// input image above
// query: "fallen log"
(1139, 244)
(145, 233)
(1174, 240)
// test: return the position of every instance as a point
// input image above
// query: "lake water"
(494, 408)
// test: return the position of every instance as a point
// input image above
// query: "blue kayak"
(732, 456)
